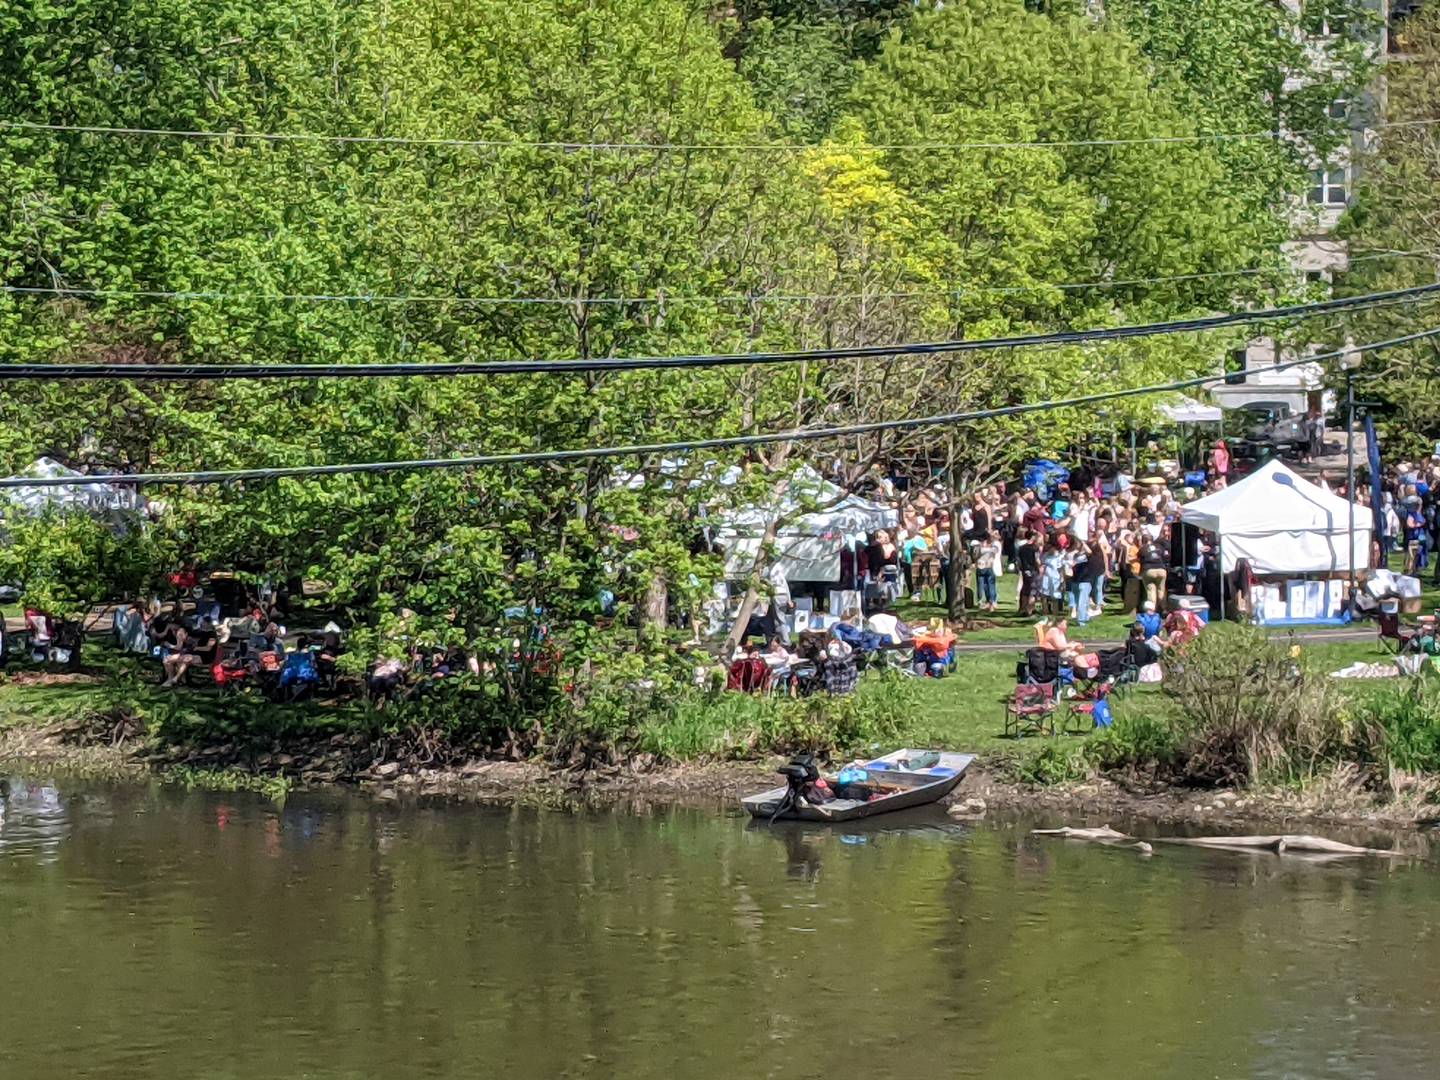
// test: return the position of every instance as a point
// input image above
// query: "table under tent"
(1298, 542)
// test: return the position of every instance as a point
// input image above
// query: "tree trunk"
(958, 570)
(657, 602)
(752, 594)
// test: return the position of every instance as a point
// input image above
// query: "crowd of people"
(1408, 521)
(1072, 547)
(249, 648)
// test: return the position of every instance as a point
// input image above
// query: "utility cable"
(544, 457)
(657, 299)
(221, 372)
(644, 147)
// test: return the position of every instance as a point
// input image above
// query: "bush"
(1136, 740)
(1250, 709)
(1402, 723)
(1055, 763)
(698, 724)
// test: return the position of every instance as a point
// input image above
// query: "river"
(149, 932)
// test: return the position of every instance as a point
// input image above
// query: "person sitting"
(271, 641)
(781, 662)
(841, 674)
(181, 656)
(1149, 619)
(131, 632)
(1181, 627)
(385, 679)
(1141, 648)
(1055, 638)
(850, 629)
(298, 677)
(331, 648)
(889, 627)
(41, 628)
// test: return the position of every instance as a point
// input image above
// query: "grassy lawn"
(963, 711)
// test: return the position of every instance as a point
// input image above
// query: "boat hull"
(919, 787)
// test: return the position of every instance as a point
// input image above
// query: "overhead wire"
(227, 371)
(542, 457)
(660, 299)
(679, 147)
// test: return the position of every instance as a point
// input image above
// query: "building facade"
(1316, 255)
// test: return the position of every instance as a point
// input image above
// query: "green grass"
(963, 711)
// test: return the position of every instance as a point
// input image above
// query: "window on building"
(1323, 18)
(1235, 364)
(1328, 187)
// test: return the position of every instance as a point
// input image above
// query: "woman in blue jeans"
(988, 557)
(1088, 575)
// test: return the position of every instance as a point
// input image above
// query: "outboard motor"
(799, 772)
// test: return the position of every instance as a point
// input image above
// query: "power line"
(540, 457)
(225, 372)
(658, 299)
(658, 147)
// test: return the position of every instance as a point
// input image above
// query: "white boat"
(905, 778)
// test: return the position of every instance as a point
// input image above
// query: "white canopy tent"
(1189, 411)
(102, 500)
(1281, 523)
(819, 520)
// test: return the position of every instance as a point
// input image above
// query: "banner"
(1377, 488)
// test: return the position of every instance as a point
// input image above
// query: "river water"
(149, 932)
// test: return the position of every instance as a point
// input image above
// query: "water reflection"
(333, 937)
(33, 819)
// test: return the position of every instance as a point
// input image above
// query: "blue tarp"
(1043, 476)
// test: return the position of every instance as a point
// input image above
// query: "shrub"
(1057, 762)
(1402, 723)
(1138, 740)
(1250, 709)
(698, 724)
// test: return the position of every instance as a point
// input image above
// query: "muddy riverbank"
(373, 768)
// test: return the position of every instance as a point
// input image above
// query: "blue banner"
(1377, 488)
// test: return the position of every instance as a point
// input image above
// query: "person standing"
(1154, 567)
(988, 561)
(1027, 562)
(1052, 576)
(1220, 461)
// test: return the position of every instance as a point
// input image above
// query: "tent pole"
(1350, 473)
(1220, 551)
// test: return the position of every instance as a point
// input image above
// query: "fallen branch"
(1102, 835)
(1278, 844)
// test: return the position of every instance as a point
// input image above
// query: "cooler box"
(1198, 604)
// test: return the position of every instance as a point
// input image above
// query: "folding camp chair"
(1030, 708)
(1397, 636)
(1080, 710)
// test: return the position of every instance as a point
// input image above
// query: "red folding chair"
(1030, 708)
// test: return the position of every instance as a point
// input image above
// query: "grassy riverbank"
(963, 711)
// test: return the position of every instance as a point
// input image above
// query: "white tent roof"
(93, 498)
(808, 543)
(835, 513)
(1282, 523)
(1189, 411)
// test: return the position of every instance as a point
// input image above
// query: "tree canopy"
(707, 229)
